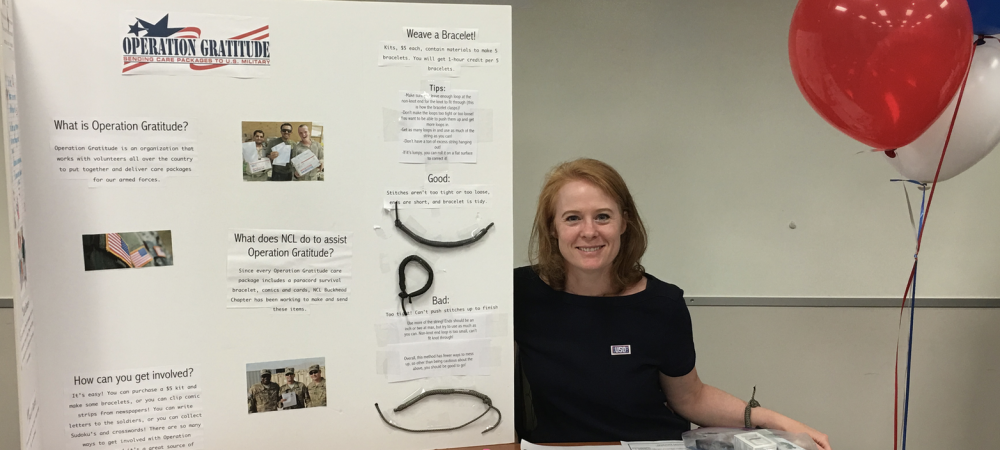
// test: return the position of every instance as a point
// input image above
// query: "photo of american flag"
(127, 250)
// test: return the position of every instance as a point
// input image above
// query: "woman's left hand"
(793, 426)
(708, 406)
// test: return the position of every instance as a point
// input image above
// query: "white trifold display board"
(132, 117)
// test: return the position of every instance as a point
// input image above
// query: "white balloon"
(977, 127)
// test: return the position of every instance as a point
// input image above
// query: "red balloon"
(880, 70)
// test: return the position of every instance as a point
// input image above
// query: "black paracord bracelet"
(403, 295)
(441, 244)
(485, 398)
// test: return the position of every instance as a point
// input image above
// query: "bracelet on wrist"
(751, 404)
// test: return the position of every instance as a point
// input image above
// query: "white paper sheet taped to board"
(438, 125)
(439, 196)
(402, 362)
(26, 338)
(268, 268)
(30, 421)
(439, 50)
(117, 152)
(440, 327)
(483, 125)
(134, 408)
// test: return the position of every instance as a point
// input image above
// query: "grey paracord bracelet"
(485, 398)
(751, 404)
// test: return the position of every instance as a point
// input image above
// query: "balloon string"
(944, 150)
(895, 387)
(909, 349)
(909, 355)
(925, 212)
(910, 283)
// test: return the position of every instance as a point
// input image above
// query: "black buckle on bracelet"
(751, 404)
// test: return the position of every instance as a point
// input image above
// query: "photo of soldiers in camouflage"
(128, 250)
(288, 392)
(282, 151)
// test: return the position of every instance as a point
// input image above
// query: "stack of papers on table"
(654, 445)
(625, 445)
(525, 445)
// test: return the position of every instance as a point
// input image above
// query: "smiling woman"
(587, 202)
(605, 351)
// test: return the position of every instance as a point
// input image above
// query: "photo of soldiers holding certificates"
(286, 385)
(282, 151)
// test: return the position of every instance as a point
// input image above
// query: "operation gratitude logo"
(148, 43)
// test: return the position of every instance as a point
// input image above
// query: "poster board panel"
(180, 132)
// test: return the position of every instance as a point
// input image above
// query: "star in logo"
(159, 29)
(135, 29)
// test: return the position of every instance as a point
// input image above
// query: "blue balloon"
(985, 16)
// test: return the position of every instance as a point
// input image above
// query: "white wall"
(695, 104)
